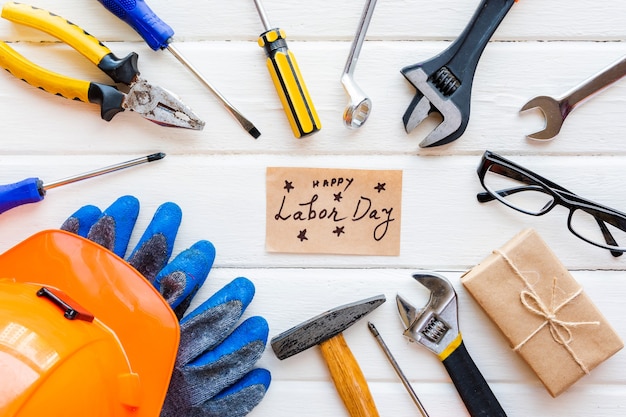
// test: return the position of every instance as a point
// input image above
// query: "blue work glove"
(213, 374)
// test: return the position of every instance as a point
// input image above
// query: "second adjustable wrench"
(444, 83)
(436, 327)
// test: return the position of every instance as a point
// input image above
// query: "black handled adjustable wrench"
(444, 82)
(436, 327)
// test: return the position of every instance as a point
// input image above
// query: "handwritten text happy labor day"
(362, 209)
(340, 211)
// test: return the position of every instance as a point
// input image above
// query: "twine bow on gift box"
(559, 329)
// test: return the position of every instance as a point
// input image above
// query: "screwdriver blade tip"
(254, 132)
(155, 156)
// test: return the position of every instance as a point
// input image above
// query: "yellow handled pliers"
(151, 102)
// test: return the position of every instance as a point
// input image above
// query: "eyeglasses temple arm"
(608, 237)
(487, 196)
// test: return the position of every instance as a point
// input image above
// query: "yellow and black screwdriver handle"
(289, 84)
(122, 70)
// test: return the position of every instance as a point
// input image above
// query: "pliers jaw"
(436, 325)
(152, 102)
(160, 106)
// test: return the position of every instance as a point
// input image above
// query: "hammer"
(326, 330)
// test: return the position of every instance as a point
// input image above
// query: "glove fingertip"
(237, 400)
(123, 212)
(261, 376)
(168, 218)
(256, 328)
(244, 288)
(126, 205)
(258, 377)
(179, 280)
(81, 221)
(168, 214)
(241, 290)
(205, 248)
(253, 331)
(164, 223)
(248, 339)
(196, 261)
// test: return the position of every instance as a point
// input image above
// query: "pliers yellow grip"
(151, 102)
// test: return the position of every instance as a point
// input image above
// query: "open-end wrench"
(444, 83)
(358, 109)
(557, 109)
(436, 327)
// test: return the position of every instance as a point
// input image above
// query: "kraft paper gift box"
(542, 311)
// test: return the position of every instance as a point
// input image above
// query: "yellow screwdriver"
(288, 81)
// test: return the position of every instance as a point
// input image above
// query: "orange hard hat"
(82, 333)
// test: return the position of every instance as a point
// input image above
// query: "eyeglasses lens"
(587, 226)
(517, 190)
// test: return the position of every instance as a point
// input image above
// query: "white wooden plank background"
(217, 175)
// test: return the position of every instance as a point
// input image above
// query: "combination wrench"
(358, 109)
(556, 110)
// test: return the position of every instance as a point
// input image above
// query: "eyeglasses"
(525, 191)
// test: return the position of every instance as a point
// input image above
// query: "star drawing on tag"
(380, 187)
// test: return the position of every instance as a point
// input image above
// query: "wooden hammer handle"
(348, 377)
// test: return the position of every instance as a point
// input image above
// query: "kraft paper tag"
(336, 211)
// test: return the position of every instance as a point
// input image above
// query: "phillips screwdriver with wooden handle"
(158, 35)
(287, 78)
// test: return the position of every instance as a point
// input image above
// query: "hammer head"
(322, 327)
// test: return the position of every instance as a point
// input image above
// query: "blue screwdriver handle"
(26, 191)
(140, 17)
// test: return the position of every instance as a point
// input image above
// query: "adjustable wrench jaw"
(444, 82)
(436, 325)
(434, 96)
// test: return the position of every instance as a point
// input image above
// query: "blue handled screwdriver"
(33, 190)
(158, 35)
